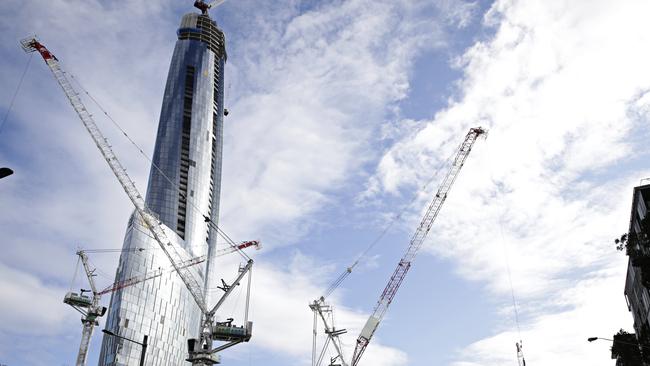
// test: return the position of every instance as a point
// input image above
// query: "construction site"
(180, 289)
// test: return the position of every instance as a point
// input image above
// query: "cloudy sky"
(341, 112)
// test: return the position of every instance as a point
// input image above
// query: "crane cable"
(13, 99)
(339, 280)
(519, 345)
(207, 219)
(512, 288)
(74, 275)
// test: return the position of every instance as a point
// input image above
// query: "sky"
(344, 114)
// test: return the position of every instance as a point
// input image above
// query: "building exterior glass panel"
(184, 188)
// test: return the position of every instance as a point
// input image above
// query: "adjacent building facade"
(184, 188)
(637, 295)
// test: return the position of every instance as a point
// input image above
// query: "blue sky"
(340, 112)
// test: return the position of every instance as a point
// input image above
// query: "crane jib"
(415, 244)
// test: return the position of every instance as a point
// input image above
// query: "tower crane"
(201, 350)
(89, 306)
(319, 306)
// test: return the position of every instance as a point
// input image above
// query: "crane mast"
(416, 243)
(88, 307)
(201, 351)
(94, 311)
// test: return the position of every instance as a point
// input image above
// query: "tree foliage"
(637, 247)
(626, 349)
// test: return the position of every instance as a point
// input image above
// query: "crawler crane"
(200, 351)
(320, 307)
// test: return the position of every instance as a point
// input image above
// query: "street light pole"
(143, 344)
(591, 339)
(5, 172)
(144, 350)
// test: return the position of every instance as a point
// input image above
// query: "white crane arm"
(196, 290)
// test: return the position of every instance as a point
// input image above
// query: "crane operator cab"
(227, 332)
(74, 299)
(201, 351)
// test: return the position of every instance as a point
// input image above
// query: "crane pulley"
(201, 352)
(520, 353)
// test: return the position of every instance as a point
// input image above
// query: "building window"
(185, 150)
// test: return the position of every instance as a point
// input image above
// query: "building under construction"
(184, 183)
(178, 218)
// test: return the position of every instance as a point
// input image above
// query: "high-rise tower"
(184, 185)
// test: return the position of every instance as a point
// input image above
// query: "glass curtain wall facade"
(184, 189)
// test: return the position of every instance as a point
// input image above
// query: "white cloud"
(281, 316)
(561, 337)
(310, 90)
(327, 81)
(30, 306)
(555, 85)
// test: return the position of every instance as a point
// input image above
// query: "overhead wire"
(13, 98)
(99, 271)
(74, 275)
(512, 288)
(506, 255)
(175, 185)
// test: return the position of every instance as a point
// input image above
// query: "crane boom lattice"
(173, 254)
(88, 307)
(416, 243)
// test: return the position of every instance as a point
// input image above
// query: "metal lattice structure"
(414, 247)
(88, 307)
(201, 351)
(173, 253)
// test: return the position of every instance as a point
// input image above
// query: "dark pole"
(144, 350)
(143, 344)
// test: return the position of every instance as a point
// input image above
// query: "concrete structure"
(637, 295)
(184, 185)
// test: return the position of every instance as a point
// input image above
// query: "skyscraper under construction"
(184, 189)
